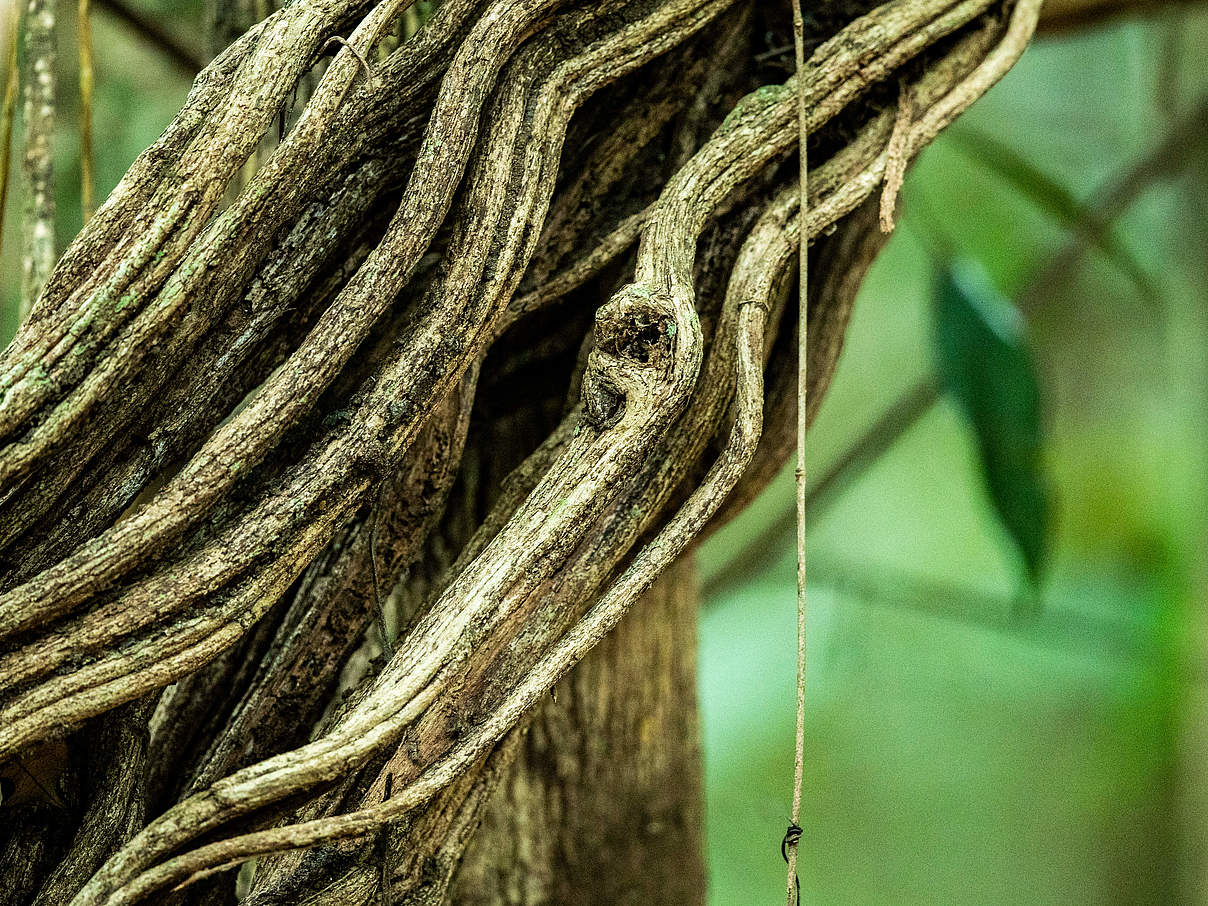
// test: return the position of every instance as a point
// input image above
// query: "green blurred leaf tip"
(986, 367)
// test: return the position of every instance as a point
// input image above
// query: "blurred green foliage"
(955, 754)
(985, 366)
(137, 93)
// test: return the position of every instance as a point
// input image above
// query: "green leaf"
(984, 364)
(1056, 200)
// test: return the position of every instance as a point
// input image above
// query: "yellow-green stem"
(794, 833)
(87, 203)
(8, 115)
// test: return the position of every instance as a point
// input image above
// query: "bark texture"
(357, 416)
(603, 803)
(38, 81)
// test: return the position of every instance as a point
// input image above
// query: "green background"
(955, 755)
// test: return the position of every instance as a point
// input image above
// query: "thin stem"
(8, 114)
(793, 835)
(84, 25)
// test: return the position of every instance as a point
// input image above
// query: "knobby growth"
(466, 333)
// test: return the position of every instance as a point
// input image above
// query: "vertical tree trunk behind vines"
(603, 803)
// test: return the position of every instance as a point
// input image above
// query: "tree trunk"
(604, 800)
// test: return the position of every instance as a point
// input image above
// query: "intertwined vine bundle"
(499, 310)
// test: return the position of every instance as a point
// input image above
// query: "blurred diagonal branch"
(1048, 193)
(1064, 15)
(1120, 634)
(1184, 138)
(186, 58)
(768, 545)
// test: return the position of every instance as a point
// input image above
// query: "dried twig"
(793, 835)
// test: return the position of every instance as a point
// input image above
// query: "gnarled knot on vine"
(646, 345)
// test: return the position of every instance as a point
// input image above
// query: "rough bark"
(38, 84)
(604, 800)
(483, 331)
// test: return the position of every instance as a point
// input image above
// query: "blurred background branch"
(183, 55)
(1089, 225)
(1066, 15)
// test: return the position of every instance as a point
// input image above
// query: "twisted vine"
(230, 417)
